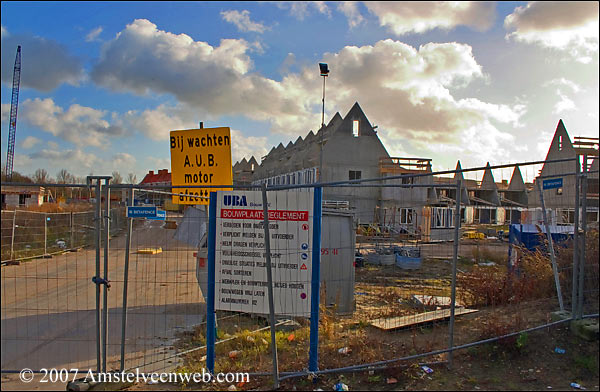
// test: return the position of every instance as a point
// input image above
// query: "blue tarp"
(529, 237)
(533, 237)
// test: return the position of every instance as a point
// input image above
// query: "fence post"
(550, 246)
(210, 302)
(126, 280)
(71, 244)
(98, 241)
(584, 186)
(454, 263)
(105, 294)
(270, 287)
(313, 354)
(12, 238)
(45, 234)
(574, 300)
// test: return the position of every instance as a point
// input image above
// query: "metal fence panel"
(387, 274)
(48, 260)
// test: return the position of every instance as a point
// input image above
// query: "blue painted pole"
(313, 356)
(210, 301)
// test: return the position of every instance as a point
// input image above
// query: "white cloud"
(564, 104)
(570, 26)
(242, 21)
(543, 141)
(563, 82)
(75, 161)
(407, 90)
(246, 147)
(288, 63)
(301, 9)
(45, 64)
(141, 52)
(29, 142)
(350, 10)
(93, 35)
(157, 123)
(123, 161)
(215, 80)
(22, 163)
(404, 17)
(158, 163)
(80, 125)
(78, 161)
(5, 110)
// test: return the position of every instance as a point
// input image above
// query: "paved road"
(48, 305)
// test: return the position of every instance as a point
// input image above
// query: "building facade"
(345, 149)
(21, 196)
(349, 148)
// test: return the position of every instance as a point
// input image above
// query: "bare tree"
(63, 176)
(16, 176)
(131, 178)
(41, 176)
(116, 178)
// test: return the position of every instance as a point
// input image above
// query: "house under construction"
(349, 148)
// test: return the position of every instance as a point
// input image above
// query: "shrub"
(494, 285)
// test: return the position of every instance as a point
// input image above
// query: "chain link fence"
(30, 234)
(411, 266)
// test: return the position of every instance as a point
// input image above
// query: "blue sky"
(103, 83)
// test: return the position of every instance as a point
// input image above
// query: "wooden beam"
(389, 324)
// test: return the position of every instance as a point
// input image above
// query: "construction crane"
(14, 105)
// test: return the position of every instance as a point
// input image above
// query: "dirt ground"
(494, 366)
(524, 362)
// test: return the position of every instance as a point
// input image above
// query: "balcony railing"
(397, 165)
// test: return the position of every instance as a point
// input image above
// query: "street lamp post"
(324, 73)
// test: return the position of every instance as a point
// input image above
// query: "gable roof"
(516, 181)
(356, 114)
(305, 153)
(488, 183)
(561, 145)
(464, 194)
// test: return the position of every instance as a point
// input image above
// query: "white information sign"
(240, 259)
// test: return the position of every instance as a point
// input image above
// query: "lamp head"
(324, 69)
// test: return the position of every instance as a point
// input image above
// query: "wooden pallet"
(389, 324)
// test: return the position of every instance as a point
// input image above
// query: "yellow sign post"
(200, 157)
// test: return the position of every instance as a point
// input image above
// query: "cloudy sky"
(103, 84)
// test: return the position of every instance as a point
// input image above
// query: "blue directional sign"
(160, 215)
(552, 183)
(141, 212)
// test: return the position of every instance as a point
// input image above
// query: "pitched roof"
(304, 153)
(488, 183)
(516, 181)
(161, 177)
(464, 194)
(561, 144)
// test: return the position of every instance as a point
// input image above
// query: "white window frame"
(406, 216)
(442, 218)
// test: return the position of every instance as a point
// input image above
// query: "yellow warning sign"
(200, 157)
